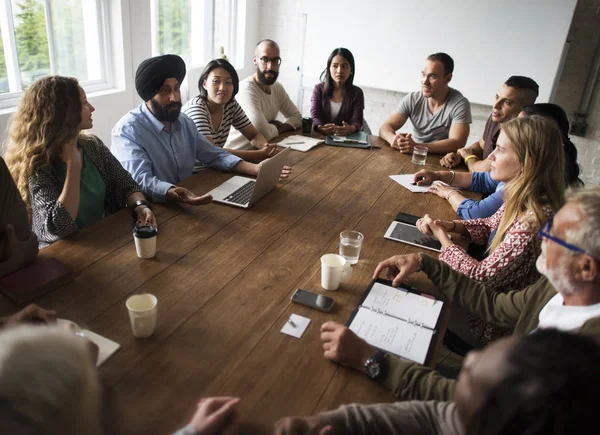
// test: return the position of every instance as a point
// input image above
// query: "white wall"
(131, 43)
(390, 40)
(282, 20)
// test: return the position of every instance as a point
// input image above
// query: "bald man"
(262, 98)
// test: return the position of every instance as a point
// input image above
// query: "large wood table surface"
(224, 276)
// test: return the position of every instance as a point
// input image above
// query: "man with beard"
(515, 94)
(439, 114)
(159, 147)
(567, 298)
(262, 98)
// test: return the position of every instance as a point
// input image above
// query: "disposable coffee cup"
(332, 271)
(143, 313)
(306, 125)
(145, 240)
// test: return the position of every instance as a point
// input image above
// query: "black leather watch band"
(137, 204)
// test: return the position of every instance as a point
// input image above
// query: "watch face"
(373, 369)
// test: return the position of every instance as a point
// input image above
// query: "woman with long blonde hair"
(68, 180)
(530, 161)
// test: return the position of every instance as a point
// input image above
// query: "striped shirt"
(233, 114)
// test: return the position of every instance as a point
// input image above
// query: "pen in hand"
(418, 179)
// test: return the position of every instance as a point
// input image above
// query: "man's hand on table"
(399, 267)
(314, 425)
(342, 345)
(451, 160)
(181, 194)
(216, 416)
(30, 314)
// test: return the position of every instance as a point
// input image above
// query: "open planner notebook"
(397, 320)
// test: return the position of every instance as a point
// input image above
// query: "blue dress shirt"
(158, 158)
(482, 182)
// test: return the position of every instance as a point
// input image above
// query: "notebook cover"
(355, 136)
(41, 277)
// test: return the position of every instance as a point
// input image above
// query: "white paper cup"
(145, 241)
(143, 314)
(332, 270)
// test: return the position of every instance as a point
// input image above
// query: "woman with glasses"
(215, 110)
(336, 105)
(529, 159)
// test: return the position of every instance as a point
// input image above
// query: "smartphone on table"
(313, 300)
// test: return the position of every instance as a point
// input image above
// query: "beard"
(559, 277)
(168, 113)
(264, 80)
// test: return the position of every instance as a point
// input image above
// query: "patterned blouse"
(510, 267)
(50, 219)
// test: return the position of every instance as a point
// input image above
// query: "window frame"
(203, 53)
(106, 81)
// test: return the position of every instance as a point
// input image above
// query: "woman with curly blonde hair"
(69, 180)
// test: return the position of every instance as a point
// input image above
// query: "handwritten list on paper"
(393, 335)
(404, 305)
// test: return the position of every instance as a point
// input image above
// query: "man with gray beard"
(567, 298)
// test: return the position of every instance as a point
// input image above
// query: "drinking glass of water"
(350, 244)
(419, 155)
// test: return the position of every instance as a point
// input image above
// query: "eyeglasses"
(544, 232)
(274, 60)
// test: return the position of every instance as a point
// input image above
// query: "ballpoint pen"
(293, 143)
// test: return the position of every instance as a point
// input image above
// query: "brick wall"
(282, 20)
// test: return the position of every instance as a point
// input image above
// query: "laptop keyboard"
(243, 194)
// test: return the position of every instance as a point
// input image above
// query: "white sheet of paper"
(392, 335)
(307, 143)
(406, 180)
(106, 347)
(296, 331)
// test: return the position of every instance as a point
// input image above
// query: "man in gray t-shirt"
(439, 114)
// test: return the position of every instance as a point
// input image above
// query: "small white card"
(301, 323)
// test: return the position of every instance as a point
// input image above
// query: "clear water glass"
(350, 244)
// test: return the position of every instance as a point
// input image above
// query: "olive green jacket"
(516, 309)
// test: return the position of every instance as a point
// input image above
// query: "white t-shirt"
(429, 127)
(566, 318)
(335, 109)
(261, 108)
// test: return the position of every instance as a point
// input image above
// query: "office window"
(197, 30)
(41, 37)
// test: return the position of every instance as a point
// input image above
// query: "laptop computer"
(245, 192)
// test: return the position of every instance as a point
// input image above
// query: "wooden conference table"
(224, 276)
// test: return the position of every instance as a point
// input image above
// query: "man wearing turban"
(158, 146)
